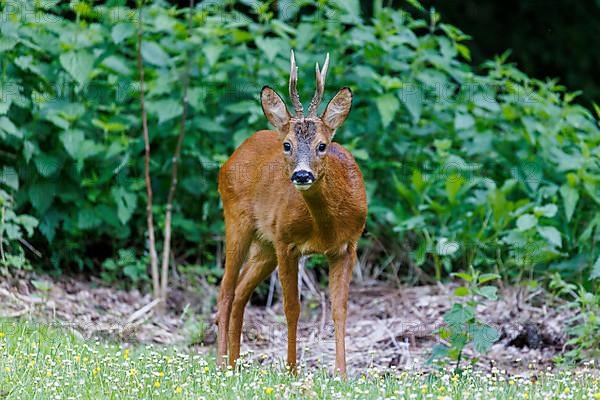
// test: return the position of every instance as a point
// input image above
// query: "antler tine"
(293, 88)
(316, 100)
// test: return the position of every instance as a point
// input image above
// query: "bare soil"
(387, 326)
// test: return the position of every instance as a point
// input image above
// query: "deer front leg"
(288, 275)
(340, 274)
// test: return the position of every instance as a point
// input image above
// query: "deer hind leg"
(260, 265)
(288, 276)
(238, 237)
(340, 274)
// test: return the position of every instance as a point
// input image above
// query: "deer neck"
(321, 202)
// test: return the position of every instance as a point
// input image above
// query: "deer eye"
(287, 147)
(321, 147)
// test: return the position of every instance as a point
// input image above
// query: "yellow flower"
(2, 334)
(48, 373)
(126, 354)
(511, 382)
(206, 369)
(161, 374)
(6, 369)
(597, 395)
(157, 384)
(567, 390)
(95, 371)
(77, 358)
(178, 389)
(269, 390)
(132, 372)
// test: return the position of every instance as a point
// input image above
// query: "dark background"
(548, 38)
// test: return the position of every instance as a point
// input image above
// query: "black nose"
(302, 177)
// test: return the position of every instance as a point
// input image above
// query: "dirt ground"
(387, 327)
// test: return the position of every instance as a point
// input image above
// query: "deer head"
(305, 139)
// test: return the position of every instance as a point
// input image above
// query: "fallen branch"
(142, 311)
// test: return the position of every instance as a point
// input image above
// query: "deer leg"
(340, 274)
(288, 275)
(237, 242)
(260, 265)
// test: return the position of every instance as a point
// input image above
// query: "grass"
(41, 362)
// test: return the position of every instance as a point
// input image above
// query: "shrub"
(487, 168)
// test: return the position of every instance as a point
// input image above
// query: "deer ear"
(338, 108)
(274, 108)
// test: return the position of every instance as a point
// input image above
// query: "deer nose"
(302, 177)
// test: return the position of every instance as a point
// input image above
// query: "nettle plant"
(463, 327)
(15, 228)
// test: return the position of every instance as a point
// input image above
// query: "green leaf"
(387, 105)
(462, 291)
(28, 222)
(41, 195)
(7, 43)
(414, 104)
(483, 278)
(548, 211)
(122, 31)
(464, 51)
(551, 234)
(453, 184)
(165, 109)
(72, 141)
(87, 219)
(10, 177)
(489, 292)
(595, 273)
(126, 203)
(46, 164)
(7, 126)
(212, 52)
(526, 222)
(79, 64)
(154, 54)
(463, 121)
(270, 47)
(437, 352)
(459, 315)
(41, 285)
(484, 337)
(464, 276)
(570, 197)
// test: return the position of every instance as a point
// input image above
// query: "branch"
(149, 217)
(175, 161)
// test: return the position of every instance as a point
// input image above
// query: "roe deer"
(287, 193)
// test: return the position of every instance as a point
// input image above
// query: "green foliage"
(486, 168)
(14, 228)
(462, 325)
(583, 329)
(126, 265)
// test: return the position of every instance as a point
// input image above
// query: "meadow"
(41, 362)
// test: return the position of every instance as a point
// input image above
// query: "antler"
(293, 89)
(316, 100)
